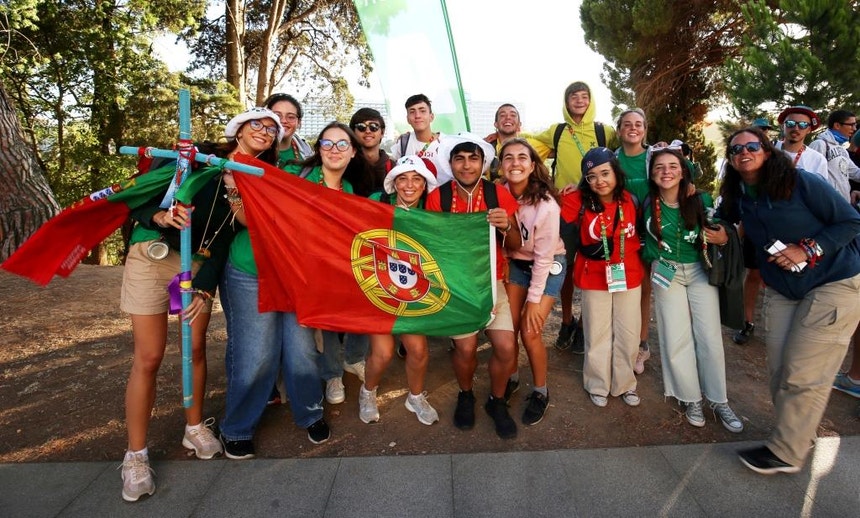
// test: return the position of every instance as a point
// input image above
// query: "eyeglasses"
(341, 145)
(257, 126)
(372, 126)
(592, 178)
(289, 117)
(852, 124)
(800, 124)
(752, 147)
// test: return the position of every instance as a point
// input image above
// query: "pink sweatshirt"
(539, 228)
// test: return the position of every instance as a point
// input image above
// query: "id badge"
(662, 274)
(616, 277)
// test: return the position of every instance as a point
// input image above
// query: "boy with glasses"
(841, 125)
(369, 127)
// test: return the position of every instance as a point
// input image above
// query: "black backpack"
(599, 132)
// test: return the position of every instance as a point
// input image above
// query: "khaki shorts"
(502, 320)
(144, 281)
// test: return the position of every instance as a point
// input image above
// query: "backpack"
(446, 192)
(599, 132)
(403, 140)
(569, 233)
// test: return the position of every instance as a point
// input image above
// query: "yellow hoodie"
(570, 150)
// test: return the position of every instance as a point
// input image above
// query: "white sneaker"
(136, 477)
(600, 401)
(334, 393)
(368, 412)
(355, 368)
(631, 398)
(202, 440)
(421, 408)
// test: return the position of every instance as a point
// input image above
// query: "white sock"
(145, 452)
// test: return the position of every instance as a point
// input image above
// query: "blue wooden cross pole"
(184, 154)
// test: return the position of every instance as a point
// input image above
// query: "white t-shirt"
(423, 149)
(810, 160)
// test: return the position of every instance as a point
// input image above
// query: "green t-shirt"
(241, 253)
(634, 170)
(679, 244)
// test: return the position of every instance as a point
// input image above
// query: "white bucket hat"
(407, 164)
(252, 114)
(449, 142)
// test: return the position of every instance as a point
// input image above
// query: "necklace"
(322, 182)
(469, 206)
(203, 251)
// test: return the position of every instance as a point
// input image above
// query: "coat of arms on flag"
(397, 274)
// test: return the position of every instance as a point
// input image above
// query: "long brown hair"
(540, 186)
(690, 208)
(777, 178)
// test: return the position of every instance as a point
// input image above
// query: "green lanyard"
(620, 219)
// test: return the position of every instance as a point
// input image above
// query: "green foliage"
(798, 52)
(664, 56)
(315, 41)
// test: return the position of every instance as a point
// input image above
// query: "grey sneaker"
(136, 477)
(419, 406)
(694, 414)
(368, 412)
(203, 441)
(356, 368)
(334, 393)
(631, 398)
(643, 356)
(727, 417)
(598, 400)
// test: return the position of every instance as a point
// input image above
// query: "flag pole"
(456, 65)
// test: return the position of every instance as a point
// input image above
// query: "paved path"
(688, 480)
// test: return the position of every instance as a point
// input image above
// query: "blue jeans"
(258, 344)
(352, 350)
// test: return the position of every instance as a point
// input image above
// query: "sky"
(509, 51)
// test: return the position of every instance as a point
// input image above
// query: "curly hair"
(540, 185)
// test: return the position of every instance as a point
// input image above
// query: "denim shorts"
(521, 276)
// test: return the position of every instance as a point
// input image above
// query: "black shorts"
(749, 255)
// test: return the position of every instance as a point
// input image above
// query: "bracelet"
(510, 226)
(203, 293)
(812, 249)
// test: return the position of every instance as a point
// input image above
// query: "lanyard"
(470, 207)
(603, 237)
(576, 141)
(797, 156)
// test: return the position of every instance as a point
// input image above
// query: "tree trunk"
(264, 76)
(235, 46)
(26, 200)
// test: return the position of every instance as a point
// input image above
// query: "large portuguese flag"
(59, 245)
(345, 263)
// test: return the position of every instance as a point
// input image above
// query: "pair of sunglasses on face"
(752, 147)
(362, 127)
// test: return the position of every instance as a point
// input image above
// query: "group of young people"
(642, 228)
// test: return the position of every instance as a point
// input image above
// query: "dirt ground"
(65, 353)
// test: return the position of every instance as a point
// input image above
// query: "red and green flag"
(345, 263)
(59, 245)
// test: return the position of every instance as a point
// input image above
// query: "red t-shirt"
(590, 274)
(479, 204)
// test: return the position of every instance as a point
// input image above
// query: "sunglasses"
(341, 145)
(752, 147)
(372, 126)
(257, 126)
(800, 124)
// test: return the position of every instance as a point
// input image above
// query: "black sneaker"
(535, 408)
(743, 336)
(238, 450)
(401, 350)
(511, 387)
(464, 415)
(578, 341)
(506, 428)
(319, 432)
(762, 460)
(565, 333)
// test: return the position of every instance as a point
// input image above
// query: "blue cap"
(762, 123)
(595, 157)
